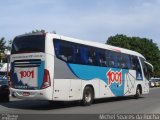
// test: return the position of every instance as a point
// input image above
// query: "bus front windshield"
(28, 44)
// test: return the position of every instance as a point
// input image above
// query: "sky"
(93, 20)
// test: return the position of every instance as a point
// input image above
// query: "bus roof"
(96, 44)
(89, 43)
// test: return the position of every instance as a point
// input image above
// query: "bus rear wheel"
(88, 96)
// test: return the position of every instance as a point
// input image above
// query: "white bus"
(58, 68)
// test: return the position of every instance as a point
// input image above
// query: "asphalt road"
(147, 104)
(121, 108)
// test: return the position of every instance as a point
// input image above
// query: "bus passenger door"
(148, 69)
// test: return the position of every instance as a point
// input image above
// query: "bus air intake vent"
(27, 63)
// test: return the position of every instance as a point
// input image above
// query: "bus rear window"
(28, 44)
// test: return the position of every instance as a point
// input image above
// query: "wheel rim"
(88, 97)
(138, 92)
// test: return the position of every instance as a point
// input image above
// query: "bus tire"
(88, 96)
(138, 92)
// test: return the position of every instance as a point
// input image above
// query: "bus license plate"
(26, 93)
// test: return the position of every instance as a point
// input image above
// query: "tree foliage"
(36, 31)
(2, 44)
(8, 46)
(145, 46)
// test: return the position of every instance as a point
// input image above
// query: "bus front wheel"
(88, 96)
(138, 92)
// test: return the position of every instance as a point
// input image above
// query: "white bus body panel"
(72, 89)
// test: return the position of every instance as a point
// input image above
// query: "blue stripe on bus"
(40, 74)
(86, 72)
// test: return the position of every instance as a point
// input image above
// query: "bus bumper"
(32, 94)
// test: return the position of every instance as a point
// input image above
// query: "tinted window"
(84, 55)
(32, 43)
(146, 70)
(75, 53)
(102, 58)
(64, 51)
(87, 55)
(78, 55)
(122, 61)
(136, 66)
(135, 63)
(128, 61)
(92, 56)
(110, 55)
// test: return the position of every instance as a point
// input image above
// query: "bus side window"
(84, 55)
(56, 47)
(133, 63)
(102, 58)
(123, 61)
(92, 57)
(145, 69)
(128, 61)
(77, 53)
(136, 66)
(110, 58)
(64, 51)
(119, 60)
(149, 71)
(115, 58)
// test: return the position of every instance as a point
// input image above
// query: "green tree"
(36, 31)
(144, 46)
(2, 44)
(8, 46)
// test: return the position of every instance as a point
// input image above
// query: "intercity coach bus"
(57, 68)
